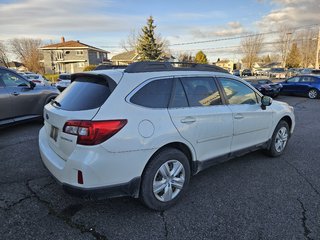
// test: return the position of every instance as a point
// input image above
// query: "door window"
(238, 93)
(12, 80)
(293, 80)
(179, 98)
(201, 91)
(306, 79)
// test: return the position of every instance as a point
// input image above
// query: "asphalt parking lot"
(251, 197)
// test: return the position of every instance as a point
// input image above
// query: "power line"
(239, 46)
(241, 36)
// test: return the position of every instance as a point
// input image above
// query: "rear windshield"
(84, 94)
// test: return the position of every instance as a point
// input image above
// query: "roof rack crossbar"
(140, 67)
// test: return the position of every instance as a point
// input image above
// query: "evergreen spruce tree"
(294, 57)
(201, 58)
(148, 48)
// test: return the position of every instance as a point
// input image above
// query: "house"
(71, 56)
(225, 64)
(125, 58)
(18, 66)
(128, 57)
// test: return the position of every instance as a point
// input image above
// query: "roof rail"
(140, 67)
(107, 66)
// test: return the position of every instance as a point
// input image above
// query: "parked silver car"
(21, 99)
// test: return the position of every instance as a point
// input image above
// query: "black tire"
(313, 93)
(165, 158)
(278, 145)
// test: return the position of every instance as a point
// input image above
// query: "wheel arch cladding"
(288, 120)
(174, 145)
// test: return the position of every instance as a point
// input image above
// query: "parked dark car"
(21, 99)
(266, 87)
(236, 72)
(305, 85)
(246, 72)
(310, 71)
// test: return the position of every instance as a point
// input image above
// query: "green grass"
(52, 77)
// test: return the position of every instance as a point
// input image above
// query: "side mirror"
(32, 85)
(265, 101)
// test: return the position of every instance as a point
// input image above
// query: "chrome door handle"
(238, 116)
(15, 93)
(188, 120)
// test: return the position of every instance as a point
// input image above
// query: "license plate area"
(54, 133)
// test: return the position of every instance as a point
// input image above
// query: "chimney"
(62, 39)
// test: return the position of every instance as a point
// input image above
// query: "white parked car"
(63, 81)
(143, 131)
(37, 79)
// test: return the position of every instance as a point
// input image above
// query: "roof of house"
(71, 44)
(15, 64)
(125, 56)
(224, 61)
(133, 55)
(272, 65)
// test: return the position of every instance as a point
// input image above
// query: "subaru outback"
(145, 130)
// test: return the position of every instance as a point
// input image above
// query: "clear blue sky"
(105, 23)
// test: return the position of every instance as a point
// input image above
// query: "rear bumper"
(125, 189)
(105, 174)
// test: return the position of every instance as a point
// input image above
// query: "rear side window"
(155, 94)
(201, 91)
(83, 94)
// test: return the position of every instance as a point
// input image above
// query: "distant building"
(273, 65)
(225, 64)
(18, 66)
(128, 57)
(125, 58)
(71, 56)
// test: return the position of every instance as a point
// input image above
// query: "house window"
(104, 55)
(59, 55)
(98, 55)
(79, 52)
(80, 64)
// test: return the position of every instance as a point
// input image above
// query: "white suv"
(143, 131)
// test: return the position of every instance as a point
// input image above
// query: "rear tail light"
(93, 132)
(36, 81)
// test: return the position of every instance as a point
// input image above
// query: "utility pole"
(317, 51)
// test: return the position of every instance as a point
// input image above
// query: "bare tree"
(131, 42)
(251, 47)
(307, 45)
(285, 38)
(186, 57)
(4, 55)
(27, 50)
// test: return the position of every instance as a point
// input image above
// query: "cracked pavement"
(251, 197)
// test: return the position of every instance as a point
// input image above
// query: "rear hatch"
(80, 101)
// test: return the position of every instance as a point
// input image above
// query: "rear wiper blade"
(56, 103)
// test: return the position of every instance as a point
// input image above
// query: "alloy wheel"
(169, 180)
(281, 139)
(312, 93)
